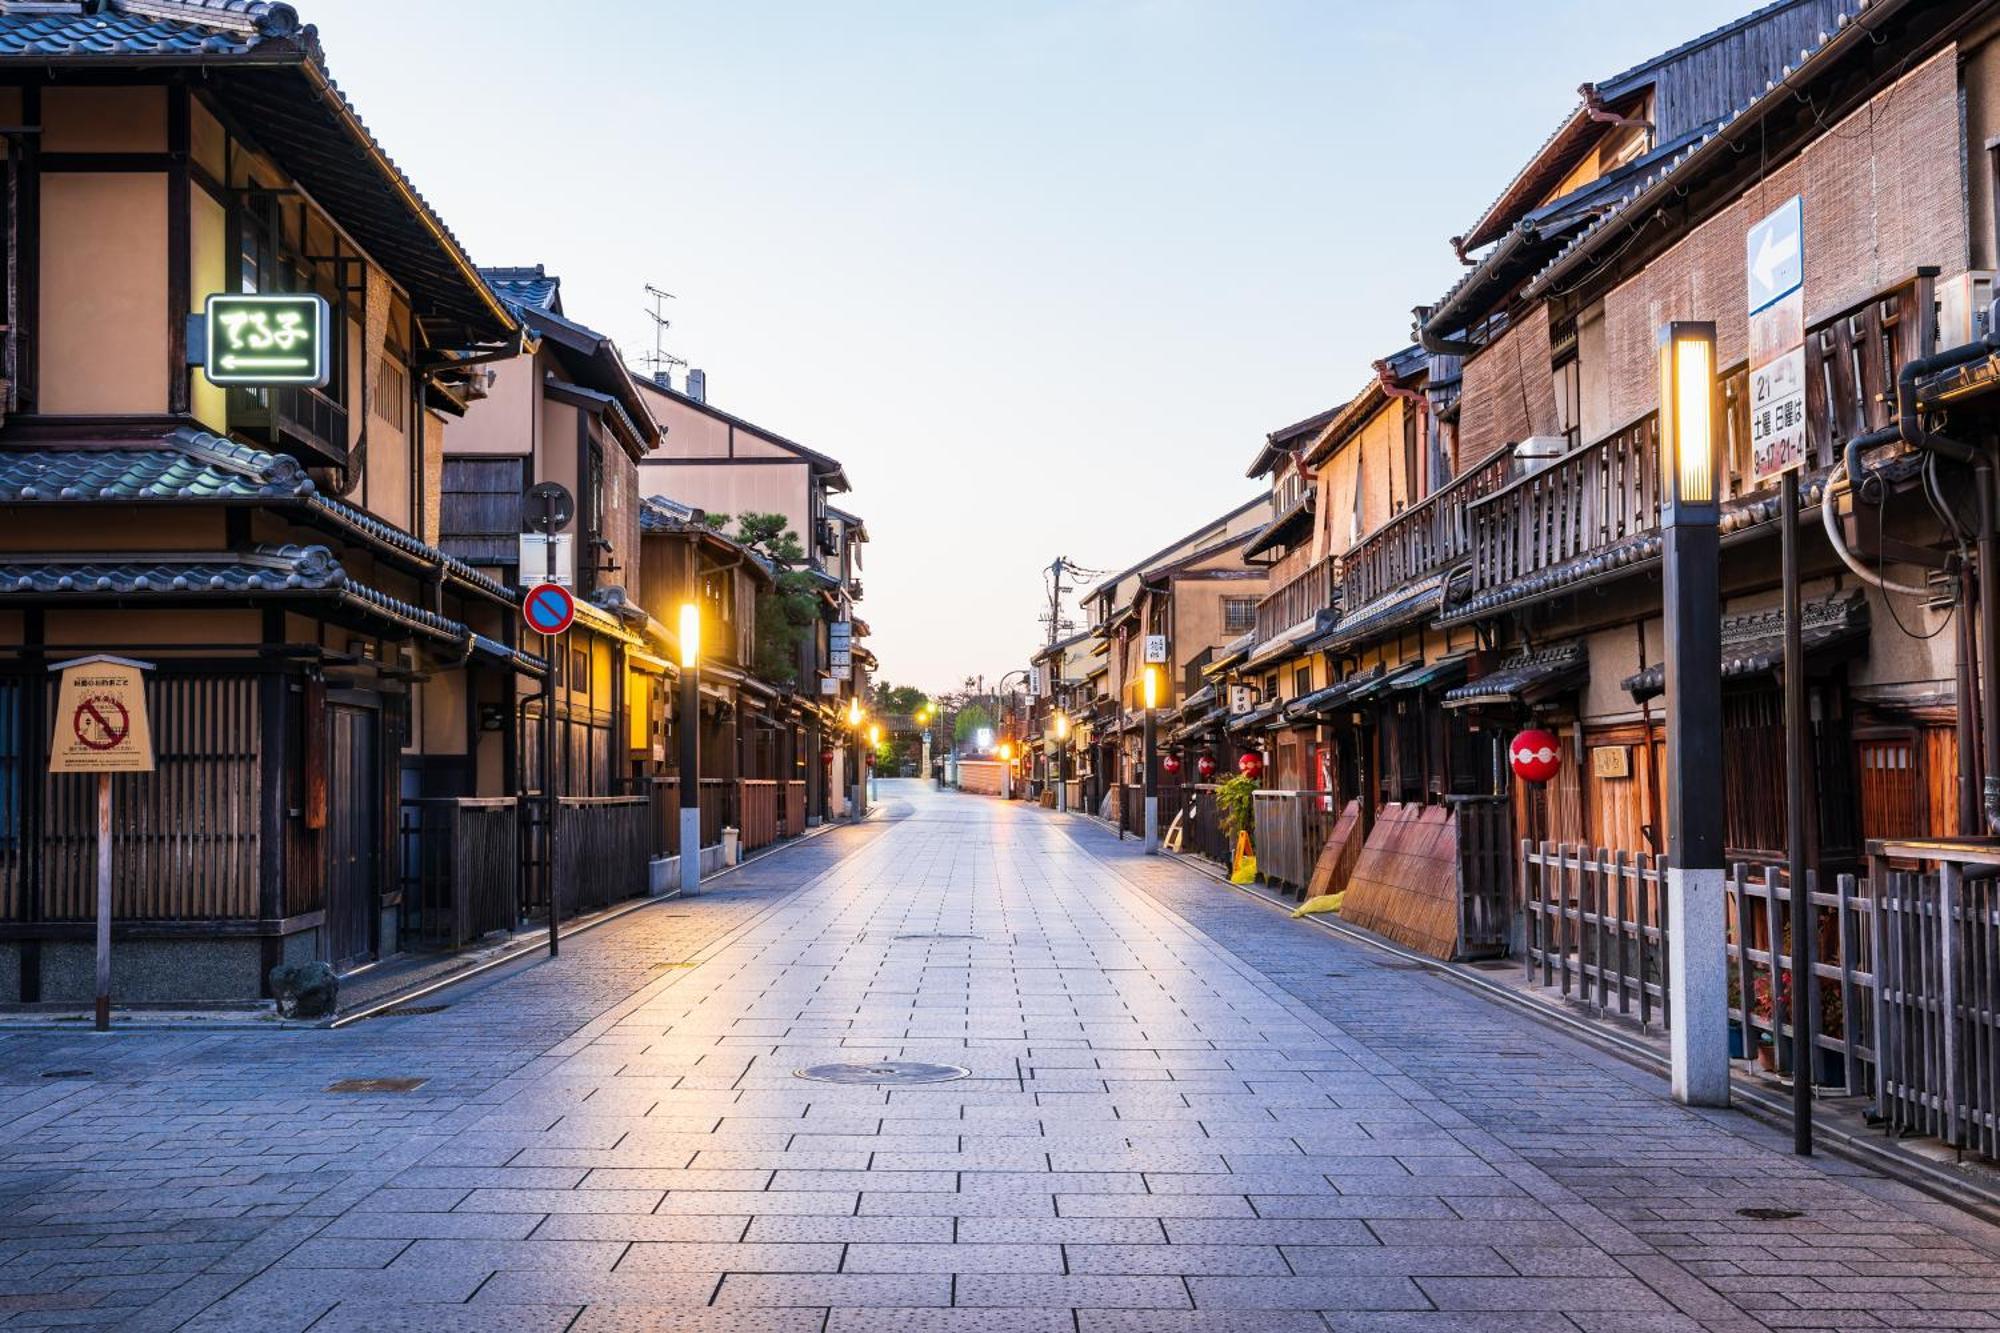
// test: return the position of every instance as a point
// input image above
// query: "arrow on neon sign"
(234, 362)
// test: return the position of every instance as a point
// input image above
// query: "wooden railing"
(1299, 599)
(757, 812)
(1937, 946)
(794, 813)
(1431, 535)
(1202, 833)
(603, 845)
(1589, 498)
(461, 869)
(1609, 490)
(1131, 807)
(718, 809)
(663, 806)
(1597, 930)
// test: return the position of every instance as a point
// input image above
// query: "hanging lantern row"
(1205, 766)
(1251, 765)
(1171, 765)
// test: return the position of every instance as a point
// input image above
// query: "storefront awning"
(1754, 644)
(1257, 716)
(1526, 677)
(1282, 646)
(1405, 605)
(1443, 671)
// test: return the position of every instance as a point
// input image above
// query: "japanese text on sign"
(266, 338)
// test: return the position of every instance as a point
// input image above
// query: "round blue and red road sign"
(548, 608)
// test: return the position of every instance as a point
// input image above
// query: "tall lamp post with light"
(859, 783)
(690, 758)
(1062, 762)
(1152, 759)
(874, 753)
(1697, 967)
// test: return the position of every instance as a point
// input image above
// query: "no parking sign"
(548, 608)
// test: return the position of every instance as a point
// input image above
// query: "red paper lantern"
(1535, 754)
(1205, 766)
(1251, 765)
(826, 756)
(1171, 764)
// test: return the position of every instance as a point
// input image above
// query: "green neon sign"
(269, 338)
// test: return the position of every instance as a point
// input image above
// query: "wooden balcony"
(1429, 536)
(294, 419)
(1300, 599)
(1608, 491)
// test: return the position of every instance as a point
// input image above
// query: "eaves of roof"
(270, 71)
(1717, 147)
(1263, 498)
(1754, 644)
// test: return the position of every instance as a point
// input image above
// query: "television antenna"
(659, 360)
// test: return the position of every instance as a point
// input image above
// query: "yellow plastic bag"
(1245, 870)
(1326, 902)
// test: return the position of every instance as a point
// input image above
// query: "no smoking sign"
(100, 722)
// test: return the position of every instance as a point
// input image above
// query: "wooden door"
(353, 831)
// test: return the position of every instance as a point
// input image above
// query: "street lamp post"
(1062, 762)
(1697, 971)
(690, 760)
(859, 781)
(1152, 761)
(874, 751)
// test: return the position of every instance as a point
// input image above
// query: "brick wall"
(1883, 194)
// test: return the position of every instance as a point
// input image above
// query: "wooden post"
(103, 902)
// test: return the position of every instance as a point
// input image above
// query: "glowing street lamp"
(1062, 762)
(690, 757)
(1151, 686)
(1697, 978)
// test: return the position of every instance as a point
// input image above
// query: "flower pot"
(1767, 1053)
(1737, 1050)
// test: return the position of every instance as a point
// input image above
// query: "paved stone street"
(1185, 1112)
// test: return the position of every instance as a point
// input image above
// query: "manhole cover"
(1769, 1214)
(938, 935)
(67, 1073)
(377, 1085)
(893, 1072)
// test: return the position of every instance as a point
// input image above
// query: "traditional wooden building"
(273, 551)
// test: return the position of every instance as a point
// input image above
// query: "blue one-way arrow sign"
(1774, 252)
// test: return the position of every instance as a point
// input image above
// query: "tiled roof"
(1528, 673)
(293, 569)
(1754, 644)
(1322, 701)
(148, 29)
(188, 465)
(1843, 34)
(1403, 605)
(526, 288)
(659, 514)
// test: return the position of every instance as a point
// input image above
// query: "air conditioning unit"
(1964, 308)
(1537, 452)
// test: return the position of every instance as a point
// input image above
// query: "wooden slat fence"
(603, 845)
(1485, 874)
(718, 809)
(757, 809)
(1937, 934)
(1597, 931)
(460, 868)
(794, 813)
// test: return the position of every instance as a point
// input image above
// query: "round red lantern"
(1251, 765)
(826, 756)
(1535, 754)
(1171, 765)
(1205, 766)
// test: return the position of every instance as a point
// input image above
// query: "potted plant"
(1760, 1006)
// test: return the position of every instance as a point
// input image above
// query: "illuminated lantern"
(1171, 765)
(826, 756)
(1205, 766)
(1535, 754)
(1251, 765)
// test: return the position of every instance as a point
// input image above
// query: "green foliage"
(1232, 798)
(715, 522)
(969, 720)
(899, 700)
(787, 611)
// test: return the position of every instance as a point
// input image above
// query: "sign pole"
(102, 728)
(1803, 979)
(550, 505)
(104, 902)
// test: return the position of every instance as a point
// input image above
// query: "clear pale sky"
(1041, 275)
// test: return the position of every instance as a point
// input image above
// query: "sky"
(1040, 275)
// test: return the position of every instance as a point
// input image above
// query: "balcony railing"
(1598, 495)
(296, 419)
(1300, 599)
(1431, 535)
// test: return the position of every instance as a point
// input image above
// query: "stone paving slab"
(1186, 1113)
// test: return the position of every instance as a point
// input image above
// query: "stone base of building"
(226, 970)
